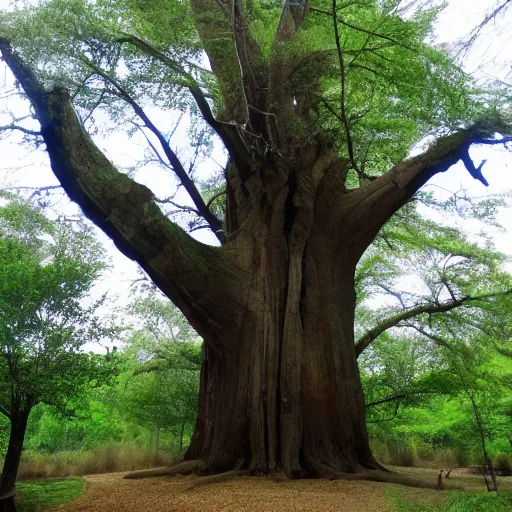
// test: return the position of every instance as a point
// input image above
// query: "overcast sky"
(22, 166)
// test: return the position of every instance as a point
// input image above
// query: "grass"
(106, 459)
(36, 496)
(459, 502)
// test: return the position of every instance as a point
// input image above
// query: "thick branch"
(191, 274)
(292, 17)
(252, 70)
(399, 396)
(360, 217)
(217, 36)
(181, 173)
(365, 340)
(26, 131)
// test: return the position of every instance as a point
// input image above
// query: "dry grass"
(107, 459)
(407, 455)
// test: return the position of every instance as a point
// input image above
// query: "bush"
(503, 463)
(446, 459)
(402, 453)
(107, 459)
(426, 454)
(380, 451)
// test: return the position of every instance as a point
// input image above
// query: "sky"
(20, 165)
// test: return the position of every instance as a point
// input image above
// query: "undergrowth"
(459, 502)
(107, 459)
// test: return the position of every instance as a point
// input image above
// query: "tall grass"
(408, 454)
(107, 459)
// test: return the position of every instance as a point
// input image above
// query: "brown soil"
(112, 493)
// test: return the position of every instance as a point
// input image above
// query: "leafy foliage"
(46, 272)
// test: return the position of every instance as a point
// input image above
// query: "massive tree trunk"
(289, 394)
(280, 387)
(284, 389)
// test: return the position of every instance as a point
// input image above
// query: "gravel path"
(111, 493)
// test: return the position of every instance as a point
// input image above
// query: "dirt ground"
(111, 493)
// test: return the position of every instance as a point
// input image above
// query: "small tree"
(46, 271)
(163, 385)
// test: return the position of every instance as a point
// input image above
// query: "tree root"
(324, 471)
(214, 479)
(320, 471)
(182, 468)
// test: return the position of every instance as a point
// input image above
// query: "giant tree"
(317, 104)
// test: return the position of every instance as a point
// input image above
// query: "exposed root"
(214, 479)
(387, 476)
(8, 494)
(320, 470)
(182, 468)
(7, 501)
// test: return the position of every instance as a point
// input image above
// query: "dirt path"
(111, 493)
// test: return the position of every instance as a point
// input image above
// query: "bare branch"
(5, 412)
(393, 321)
(216, 196)
(399, 396)
(181, 173)
(490, 16)
(226, 131)
(95, 106)
(26, 131)
(361, 29)
(343, 107)
(387, 419)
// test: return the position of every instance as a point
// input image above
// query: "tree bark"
(287, 394)
(182, 429)
(19, 421)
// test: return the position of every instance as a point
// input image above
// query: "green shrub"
(446, 459)
(402, 453)
(503, 463)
